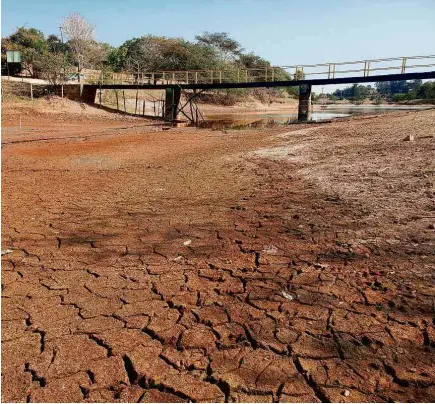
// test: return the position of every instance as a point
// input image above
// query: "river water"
(238, 120)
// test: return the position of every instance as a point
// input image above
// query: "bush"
(51, 67)
(400, 97)
(227, 98)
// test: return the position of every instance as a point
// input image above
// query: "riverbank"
(275, 265)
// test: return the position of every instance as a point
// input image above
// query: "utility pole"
(63, 53)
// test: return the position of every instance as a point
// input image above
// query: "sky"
(285, 32)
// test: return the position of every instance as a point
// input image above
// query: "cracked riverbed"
(283, 265)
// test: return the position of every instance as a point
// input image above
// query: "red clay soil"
(279, 265)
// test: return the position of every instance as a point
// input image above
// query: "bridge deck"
(287, 83)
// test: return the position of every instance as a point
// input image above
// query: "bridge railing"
(365, 68)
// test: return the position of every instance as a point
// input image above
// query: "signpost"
(12, 57)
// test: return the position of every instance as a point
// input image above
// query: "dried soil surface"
(279, 265)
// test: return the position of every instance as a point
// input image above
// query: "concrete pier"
(172, 101)
(304, 112)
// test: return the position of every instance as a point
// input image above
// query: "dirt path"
(148, 265)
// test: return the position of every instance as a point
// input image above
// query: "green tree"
(55, 45)
(51, 67)
(427, 91)
(116, 58)
(152, 53)
(383, 87)
(252, 61)
(202, 56)
(31, 43)
(227, 48)
(29, 38)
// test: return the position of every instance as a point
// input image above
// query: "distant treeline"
(396, 91)
(76, 49)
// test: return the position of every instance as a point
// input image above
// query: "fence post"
(196, 77)
(220, 76)
(31, 91)
(238, 75)
(246, 75)
(265, 74)
(187, 77)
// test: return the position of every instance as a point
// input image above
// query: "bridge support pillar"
(304, 112)
(172, 100)
(88, 94)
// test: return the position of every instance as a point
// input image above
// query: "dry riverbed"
(290, 264)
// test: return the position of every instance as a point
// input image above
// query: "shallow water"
(239, 120)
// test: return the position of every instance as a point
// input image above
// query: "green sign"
(13, 56)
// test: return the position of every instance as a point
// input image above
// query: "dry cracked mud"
(279, 265)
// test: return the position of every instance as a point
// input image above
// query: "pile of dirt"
(58, 109)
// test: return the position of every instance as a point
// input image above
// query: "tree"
(51, 67)
(354, 92)
(31, 43)
(427, 91)
(252, 61)
(383, 87)
(227, 48)
(29, 38)
(201, 56)
(116, 58)
(145, 52)
(55, 44)
(152, 53)
(28, 58)
(85, 51)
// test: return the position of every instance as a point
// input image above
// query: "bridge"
(303, 76)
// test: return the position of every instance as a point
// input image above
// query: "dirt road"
(286, 265)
